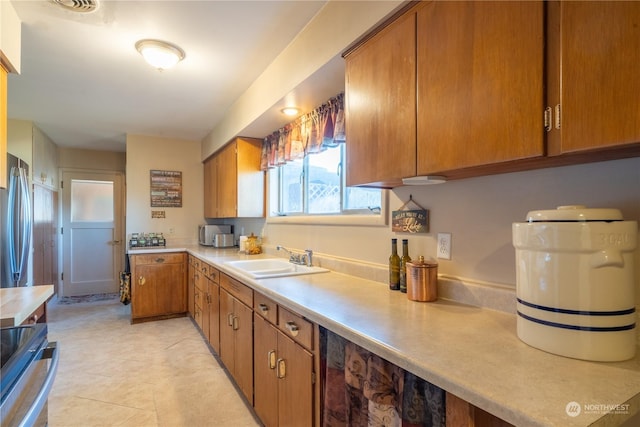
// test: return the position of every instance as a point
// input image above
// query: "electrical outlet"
(444, 245)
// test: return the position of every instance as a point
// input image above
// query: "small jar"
(253, 245)
(422, 280)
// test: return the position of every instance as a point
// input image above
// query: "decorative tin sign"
(166, 189)
(410, 220)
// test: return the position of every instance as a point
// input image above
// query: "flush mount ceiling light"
(81, 6)
(424, 180)
(290, 111)
(160, 54)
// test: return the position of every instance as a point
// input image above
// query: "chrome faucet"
(297, 258)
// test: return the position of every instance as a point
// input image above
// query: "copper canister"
(422, 280)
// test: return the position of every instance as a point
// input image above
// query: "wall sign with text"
(166, 189)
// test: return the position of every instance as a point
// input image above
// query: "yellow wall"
(146, 153)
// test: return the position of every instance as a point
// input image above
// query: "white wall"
(145, 153)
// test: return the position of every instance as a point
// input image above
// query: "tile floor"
(112, 373)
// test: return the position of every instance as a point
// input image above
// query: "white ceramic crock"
(575, 282)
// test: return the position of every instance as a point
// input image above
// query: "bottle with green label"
(403, 265)
(394, 266)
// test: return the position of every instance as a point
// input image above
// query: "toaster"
(223, 240)
(207, 233)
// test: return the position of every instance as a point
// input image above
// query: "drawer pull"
(141, 280)
(264, 308)
(293, 328)
(159, 260)
(282, 368)
(271, 359)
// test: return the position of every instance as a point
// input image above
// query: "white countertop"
(469, 351)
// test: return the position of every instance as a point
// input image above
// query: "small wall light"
(290, 111)
(160, 54)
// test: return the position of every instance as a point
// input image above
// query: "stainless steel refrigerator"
(16, 219)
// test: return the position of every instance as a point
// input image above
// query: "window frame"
(344, 217)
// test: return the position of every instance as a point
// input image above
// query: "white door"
(92, 217)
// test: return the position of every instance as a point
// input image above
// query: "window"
(315, 186)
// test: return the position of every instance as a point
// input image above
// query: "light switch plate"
(444, 245)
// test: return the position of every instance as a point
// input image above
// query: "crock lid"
(575, 213)
(422, 263)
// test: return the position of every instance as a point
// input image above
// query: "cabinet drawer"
(294, 326)
(213, 274)
(161, 258)
(265, 307)
(237, 289)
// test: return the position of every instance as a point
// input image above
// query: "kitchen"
(478, 212)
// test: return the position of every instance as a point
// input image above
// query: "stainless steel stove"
(28, 369)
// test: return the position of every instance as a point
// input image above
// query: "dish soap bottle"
(394, 266)
(403, 265)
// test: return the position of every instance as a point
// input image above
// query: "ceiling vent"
(80, 6)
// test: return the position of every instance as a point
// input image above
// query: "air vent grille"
(81, 6)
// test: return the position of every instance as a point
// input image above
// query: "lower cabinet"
(158, 286)
(284, 377)
(236, 332)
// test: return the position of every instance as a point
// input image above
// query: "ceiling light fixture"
(424, 180)
(290, 111)
(160, 54)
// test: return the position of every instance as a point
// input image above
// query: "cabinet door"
(266, 383)
(214, 315)
(170, 288)
(243, 372)
(227, 181)
(380, 106)
(227, 346)
(211, 187)
(295, 384)
(191, 287)
(598, 44)
(480, 84)
(143, 291)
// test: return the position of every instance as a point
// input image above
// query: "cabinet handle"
(293, 328)
(548, 113)
(141, 280)
(282, 369)
(235, 323)
(271, 359)
(159, 260)
(230, 319)
(558, 116)
(264, 308)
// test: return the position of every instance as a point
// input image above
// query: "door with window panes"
(93, 252)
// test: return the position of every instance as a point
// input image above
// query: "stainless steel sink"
(272, 267)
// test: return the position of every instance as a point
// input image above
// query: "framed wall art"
(166, 189)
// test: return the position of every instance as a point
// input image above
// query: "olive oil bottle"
(394, 266)
(403, 265)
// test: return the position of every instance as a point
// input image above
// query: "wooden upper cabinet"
(234, 185)
(594, 75)
(380, 106)
(211, 187)
(479, 84)
(228, 181)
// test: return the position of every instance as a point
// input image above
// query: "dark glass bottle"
(394, 266)
(403, 265)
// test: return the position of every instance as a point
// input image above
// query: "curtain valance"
(313, 132)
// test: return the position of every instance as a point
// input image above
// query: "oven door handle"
(50, 352)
